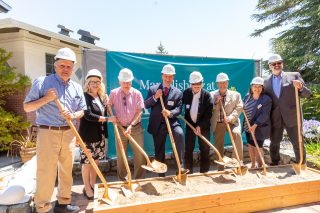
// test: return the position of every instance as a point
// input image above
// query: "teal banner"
(147, 68)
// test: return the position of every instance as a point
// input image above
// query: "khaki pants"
(55, 150)
(219, 134)
(138, 158)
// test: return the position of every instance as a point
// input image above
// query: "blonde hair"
(101, 90)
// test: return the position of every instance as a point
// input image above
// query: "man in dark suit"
(280, 86)
(172, 98)
(198, 112)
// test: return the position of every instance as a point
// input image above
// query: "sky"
(209, 28)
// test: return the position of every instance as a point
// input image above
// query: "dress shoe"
(85, 194)
(65, 208)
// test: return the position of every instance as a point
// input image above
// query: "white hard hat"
(222, 77)
(67, 54)
(168, 69)
(257, 80)
(14, 195)
(195, 77)
(125, 75)
(94, 73)
(274, 58)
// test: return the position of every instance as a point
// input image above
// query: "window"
(49, 64)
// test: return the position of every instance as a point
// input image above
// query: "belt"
(61, 128)
(132, 126)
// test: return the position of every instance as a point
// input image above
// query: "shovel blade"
(182, 177)
(128, 189)
(156, 167)
(220, 162)
(109, 197)
(298, 168)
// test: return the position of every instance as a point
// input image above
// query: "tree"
(161, 49)
(299, 43)
(12, 125)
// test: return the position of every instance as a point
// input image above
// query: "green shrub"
(12, 126)
(311, 106)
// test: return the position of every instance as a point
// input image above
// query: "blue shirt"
(70, 95)
(276, 84)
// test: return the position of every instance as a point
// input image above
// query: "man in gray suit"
(280, 87)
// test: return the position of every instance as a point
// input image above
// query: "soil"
(197, 184)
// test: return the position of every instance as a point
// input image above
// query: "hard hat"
(195, 77)
(125, 75)
(168, 69)
(222, 77)
(13, 195)
(274, 58)
(257, 80)
(94, 73)
(67, 54)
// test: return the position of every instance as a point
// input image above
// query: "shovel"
(181, 176)
(130, 188)
(109, 196)
(297, 167)
(241, 170)
(154, 166)
(220, 161)
(264, 171)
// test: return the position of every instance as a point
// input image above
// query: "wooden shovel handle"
(299, 125)
(171, 139)
(230, 134)
(83, 146)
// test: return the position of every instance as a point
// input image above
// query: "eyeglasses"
(276, 63)
(95, 82)
(124, 101)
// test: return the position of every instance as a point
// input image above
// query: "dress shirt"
(276, 84)
(195, 106)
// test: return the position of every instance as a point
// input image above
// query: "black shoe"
(65, 208)
(161, 174)
(85, 194)
(274, 163)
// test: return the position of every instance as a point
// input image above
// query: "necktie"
(165, 92)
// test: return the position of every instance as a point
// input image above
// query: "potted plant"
(25, 145)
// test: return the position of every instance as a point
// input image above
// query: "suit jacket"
(90, 128)
(204, 109)
(285, 105)
(233, 107)
(172, 102)
(261, 116)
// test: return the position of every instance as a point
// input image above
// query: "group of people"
(269, 106)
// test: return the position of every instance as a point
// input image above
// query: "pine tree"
(161, 49)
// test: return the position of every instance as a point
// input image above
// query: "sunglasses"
(276, 63)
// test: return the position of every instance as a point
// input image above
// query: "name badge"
(188, 106)
(259, 106)
(170, 103)
(286, 84)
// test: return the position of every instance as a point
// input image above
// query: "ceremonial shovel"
(241, 170)
(154, 166)
(264, 172)
(108, 196)
(181, 176)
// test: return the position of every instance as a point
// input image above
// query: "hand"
(226, 120)
(253, 128)
(51, 94)
(198, 131)
(128, 131)
(112, 119)
(218, 99)
(158, 94)
(166, 113)
(297, 84)
(67, 114)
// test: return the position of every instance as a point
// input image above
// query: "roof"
(12, 23)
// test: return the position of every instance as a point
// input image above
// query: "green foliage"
(311, 106)
(161, 50)
(299, 43)
(12, 126)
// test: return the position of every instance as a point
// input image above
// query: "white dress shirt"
(195, 106)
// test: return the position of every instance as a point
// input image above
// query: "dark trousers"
(204, 150)
(276, 137)
(159, 140)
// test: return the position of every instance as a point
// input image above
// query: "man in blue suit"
(172, 98)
